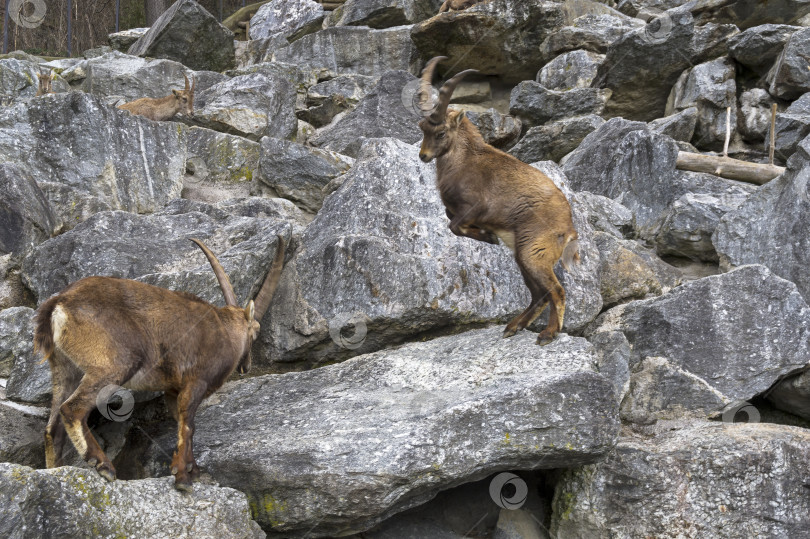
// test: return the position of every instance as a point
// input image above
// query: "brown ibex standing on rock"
(488, 194)
(103, 331)
(164, 108)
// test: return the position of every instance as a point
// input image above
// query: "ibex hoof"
(184, 486)
(509, 333)
(544, 339)
(174, 470)
(106, 472)
(92, 461)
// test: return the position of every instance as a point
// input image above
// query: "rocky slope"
(383, 403)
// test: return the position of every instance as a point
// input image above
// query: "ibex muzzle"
(103, 331)
(489, 194)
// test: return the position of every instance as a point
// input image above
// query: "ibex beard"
(103, 331)
(490, 195)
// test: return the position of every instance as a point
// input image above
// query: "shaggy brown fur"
(457, 5)
(44, 86)
(489, 194)
(103, 331)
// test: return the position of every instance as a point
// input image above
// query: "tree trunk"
(154, 9)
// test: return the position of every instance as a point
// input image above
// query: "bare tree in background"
(154, 9)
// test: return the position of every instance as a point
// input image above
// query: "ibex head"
(439, 127)
(255, 308)
(185, 97)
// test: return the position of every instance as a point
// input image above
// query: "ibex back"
(103, 331)
(489, 194)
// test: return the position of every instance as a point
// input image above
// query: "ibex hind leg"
(537, 266)
(65, 379)
(77, 408)
(540, 299)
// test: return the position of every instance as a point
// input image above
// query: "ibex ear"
(176, 92)
(250, 311)
(455, 117)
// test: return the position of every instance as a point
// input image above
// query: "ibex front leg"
(184, 467)
(462, 225)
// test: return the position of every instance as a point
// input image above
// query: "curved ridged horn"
(187, 87)
(191, 93)
(446, 92)
(224, 282)
(426, 104)
(262, 301)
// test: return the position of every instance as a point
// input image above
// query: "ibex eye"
(440, 135)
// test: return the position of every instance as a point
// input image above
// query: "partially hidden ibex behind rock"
(164, 108)
(489, 194)
(44, 83)
(103, 332)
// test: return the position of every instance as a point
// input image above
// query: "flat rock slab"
(77, 502)
(22, 437)
(338, 449)
(710, 480)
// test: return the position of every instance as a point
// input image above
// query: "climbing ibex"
(44, 86)
(457, 5)
(103, 331)
(164, 108)
(489, 194)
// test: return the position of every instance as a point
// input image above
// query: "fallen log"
(727, 167)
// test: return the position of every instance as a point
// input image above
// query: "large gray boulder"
(556, 139)
(288, 19)
(156, 249)
(25, 212)
(747, 14)
(87, 157)
(703, 480)
(381, 113)
(792, 395)
(253, 105)
(643, 177)
(789, 78)
(773, 226)
(575, 69)
(219, 166)
(498, 130)
(792, 127)
(338, 449)
(379, 264)
(187, 33)
(754, 120)
(75, 502)
(498, 37)
(641, 67)
(760, 46)
(359, 50)
(535, 104)
(588, 162)
(327, 99)
(299, 173)
(628, 271)
(715, 321)
(16, 337)
(383, 13)
(22, 435)
(591, 32)
(29, 379)
(679, 126)
(123, 40)
(710, 88)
